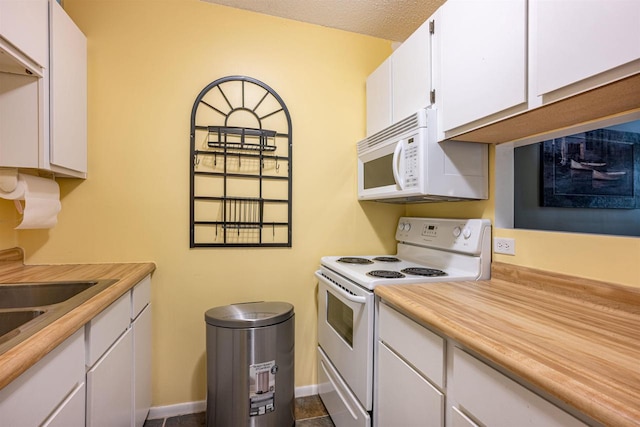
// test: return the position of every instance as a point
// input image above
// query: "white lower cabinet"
(405, 398)
(118, 343)
(43, 390)
(109, 391)
(71, 412)
(141, 366)
(415, 385)
(100, 376)
(458, 419)
(409, 373)
(496, 400)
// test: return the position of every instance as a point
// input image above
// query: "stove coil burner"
(355, 260)
(386, 259)
(422, 271)
(386, 274)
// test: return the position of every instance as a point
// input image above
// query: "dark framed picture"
(595, 169)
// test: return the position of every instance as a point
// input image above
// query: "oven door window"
(340, 317)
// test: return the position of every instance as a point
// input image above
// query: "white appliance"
(405, 163)
(428, 250)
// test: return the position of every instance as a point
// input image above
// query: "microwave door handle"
(353, 298)
(396, 165)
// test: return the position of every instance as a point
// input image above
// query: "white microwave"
(405, 163)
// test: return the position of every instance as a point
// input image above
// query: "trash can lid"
(249, 315)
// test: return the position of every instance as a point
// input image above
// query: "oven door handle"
(353, 298)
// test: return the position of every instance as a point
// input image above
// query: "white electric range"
(428, 250)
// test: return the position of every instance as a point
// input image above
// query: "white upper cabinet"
(31, 39)
(43, 89)
(401, 85)
(379, 98)
(578, 40)
(411, 74)
(483, 60)
(68, 96)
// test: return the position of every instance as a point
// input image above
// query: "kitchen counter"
(19, 358)
(574, 338)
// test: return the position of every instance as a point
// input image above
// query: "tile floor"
(309, 412)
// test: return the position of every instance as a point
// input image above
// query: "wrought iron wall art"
(240, 166)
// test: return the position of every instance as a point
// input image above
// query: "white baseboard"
(307, 390)
(201, 405)
(177, 409)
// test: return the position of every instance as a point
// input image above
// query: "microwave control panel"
(411, 162)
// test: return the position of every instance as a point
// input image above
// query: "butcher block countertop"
(577, 339)
(25, 354)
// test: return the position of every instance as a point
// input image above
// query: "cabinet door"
(20, 120)
(483, 60)
(458, 419)
(68, 92)
(71, 412)
(142, 366)
(24, 24)
(411, 74)
(109, 390)
(570, 47)
(405, 398)
(30, 398)
(379, 98)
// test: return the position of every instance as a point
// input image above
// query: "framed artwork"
(595, 169)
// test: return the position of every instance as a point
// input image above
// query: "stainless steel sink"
(11, 320)
(40, 294)
(26, 308)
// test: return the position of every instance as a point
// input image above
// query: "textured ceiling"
(393, 20)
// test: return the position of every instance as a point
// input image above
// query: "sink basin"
(27, 308)
(40, 294)
(10, 320)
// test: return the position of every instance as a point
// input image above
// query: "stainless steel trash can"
(250, 365)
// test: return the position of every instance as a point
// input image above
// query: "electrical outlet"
(504, 245)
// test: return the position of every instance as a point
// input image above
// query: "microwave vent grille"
(408, 124)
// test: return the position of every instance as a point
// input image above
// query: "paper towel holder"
(8, 179)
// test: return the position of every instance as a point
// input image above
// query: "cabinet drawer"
(140, 296)
(104, 329)
(420, 347)
(495, 400)
(336, 396)
(31, 397)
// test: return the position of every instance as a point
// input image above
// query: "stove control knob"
(407, 227)
(456, 231)
(466, 232)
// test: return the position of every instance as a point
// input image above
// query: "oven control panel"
(463, 235)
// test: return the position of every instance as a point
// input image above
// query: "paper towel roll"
(42, 201)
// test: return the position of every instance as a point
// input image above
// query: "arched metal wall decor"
(240, 166)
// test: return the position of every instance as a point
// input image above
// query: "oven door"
(345, 332)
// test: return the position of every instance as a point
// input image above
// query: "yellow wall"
(8, 220)
(148, 60)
